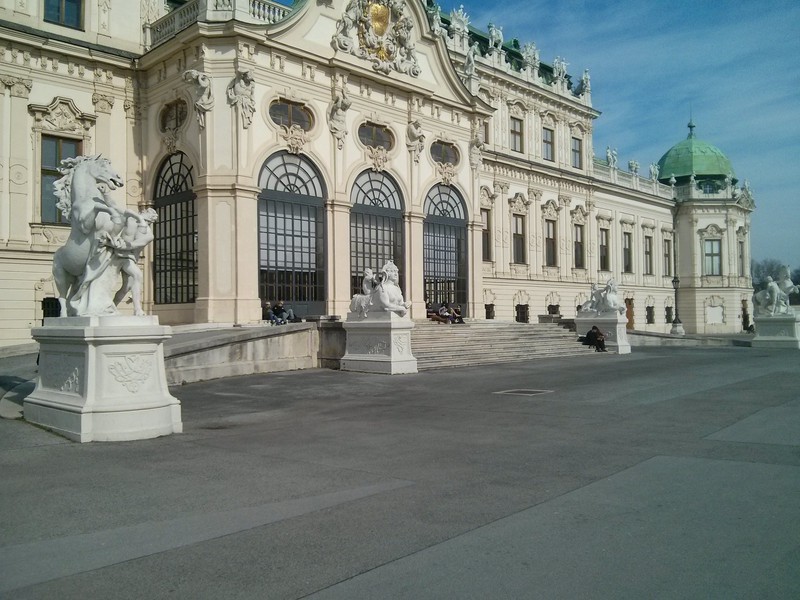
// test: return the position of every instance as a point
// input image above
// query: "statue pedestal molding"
(612, 324)
(378, 343)
(780, 331)
(102, 379)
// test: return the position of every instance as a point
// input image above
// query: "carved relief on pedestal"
(62, 372)
(132, 371)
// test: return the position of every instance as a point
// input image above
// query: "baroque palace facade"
(286, 149)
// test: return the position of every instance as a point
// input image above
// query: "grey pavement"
(666, 473)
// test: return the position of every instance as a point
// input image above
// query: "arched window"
(376, 226)
(175, 232)
(445, 246)
(291, 227)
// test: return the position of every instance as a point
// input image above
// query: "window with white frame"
(518, 239)
(486, 234)
(577, 153)
(712, 257)
(577, 243)
(648, 255)
(515, 139)
(68, 13)
(605, 258)
(550, 256)
(54, 150)
(627, 252)
(667, 258)
(548, 144)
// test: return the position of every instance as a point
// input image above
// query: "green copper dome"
(694, 156)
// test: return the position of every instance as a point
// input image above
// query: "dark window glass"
(577, 153)
(547, 144)
(578, 247)
(518, 239)
(54, 150)
(522, 313)
(605, 261)
(486, 234)
(627, 253)
(667, 258)
(374, 135)
(290, 113)
(550, 256)
(712, 263)
(442, 152)
(516, 134)
(64, 12)
(648, 255)
(650, 314)
(173, 115)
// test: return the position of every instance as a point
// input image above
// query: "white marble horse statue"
(85, 288)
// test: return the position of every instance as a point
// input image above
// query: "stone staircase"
(438, 346)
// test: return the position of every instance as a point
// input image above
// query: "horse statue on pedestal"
(80, 265)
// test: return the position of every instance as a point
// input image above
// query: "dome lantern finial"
(691, 127)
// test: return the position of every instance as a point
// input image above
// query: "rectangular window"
(547, 144)
(519, 240)
(650, 315)
(516, 134)
(577, 242)
(64, 12)
(741, 258)
(605, 262)
(667, 258)
(577, 153)
(54, 150)
(486, 132)
(486, 235)
(712, 255)
(627, 252)
(667, 314)
(550, 243)
(648, 255)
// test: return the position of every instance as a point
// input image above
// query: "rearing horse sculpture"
(79, 265)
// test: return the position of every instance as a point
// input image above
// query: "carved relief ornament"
(61, 115)
(380, 31)
(19, 87)
(295, 137)
(519, 203)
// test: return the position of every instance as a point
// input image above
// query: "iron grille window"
(547, 144)
(650, 314)
(667, 314)
(175, 232)
(522, 313)
(376, 226)
(489, 308)
(578, 247)
(604, 255)
(291, 231)
(445, 247)
(516, 134)
(627, 252)
(54, 150)
(550, 256)
(68, 13)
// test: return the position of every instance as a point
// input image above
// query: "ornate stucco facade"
(287, 149)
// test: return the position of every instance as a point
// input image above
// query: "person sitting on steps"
(282, 314)
(456, 317)
(596, 339)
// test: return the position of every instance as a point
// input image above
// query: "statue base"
(378, 343)
(780, 331)
(612, 324)
(102, 379)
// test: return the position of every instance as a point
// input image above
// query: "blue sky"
(735, 64)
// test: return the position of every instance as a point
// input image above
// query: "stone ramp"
(438, 346)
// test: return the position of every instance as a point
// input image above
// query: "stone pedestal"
(378, 343)
(780, 331)
(102, 379)
(612, 324)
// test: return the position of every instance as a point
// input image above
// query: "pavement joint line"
(33, 563)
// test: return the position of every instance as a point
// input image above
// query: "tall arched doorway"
(175, 233)
(376, 226)
(291, 233)
(445, 246)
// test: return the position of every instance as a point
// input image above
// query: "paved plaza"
(666, 473)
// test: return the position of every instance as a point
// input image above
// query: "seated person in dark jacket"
(456, 316)
(282, 314)
(595, 338)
